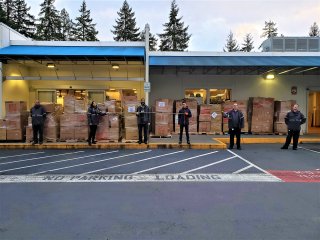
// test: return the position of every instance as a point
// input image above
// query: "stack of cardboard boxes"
(3, 130)
(74, 121)
(193, 106)
(281, 108)
(216, 119)
(243, 107)
(163, 123)
(205, 118)
(262, 114)
(130, 104)
(16, 120)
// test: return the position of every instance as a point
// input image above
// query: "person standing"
(293, 120)
(93, 114)
(38, 115)
(235, 124)
(143, 117)
(183, 121)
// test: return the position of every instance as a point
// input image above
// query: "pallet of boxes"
(261, 115)
(51, 123)
(210, 119)
(193, 106)
(163, 118)
(74, 121)
(130, 130)
(109, 124)
(281, 108)
(16, 120)
(243, 107)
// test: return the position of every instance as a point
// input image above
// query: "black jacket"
(235, 119)
(182, 118)
(38, 115)
(294, 120)
(94, 115)
(143, 114)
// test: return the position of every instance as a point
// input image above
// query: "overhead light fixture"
(50, 65)
(270, 76)
(115, 66)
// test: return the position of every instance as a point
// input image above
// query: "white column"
(147, 30)
(1, 83)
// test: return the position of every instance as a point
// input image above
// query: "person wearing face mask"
(293, 120)
(143, 117)
(38, 115)
(93, 114)
(235, 123)
(183, 121)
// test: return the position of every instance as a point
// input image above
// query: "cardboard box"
(15, 107)
(204, 117)
(81, 133)
(283, 106)
(279, 116)
(67, 133)
(51, 133)
(114, 134)
(164, 105)
(114, 120)
(3, 134)
(17, 121)
(162, 130)
(110, 106)
(49, 107)
(129, 99)
(81, 106)
(130, 121)
(69, 104)
(15, 134)
(204, 126)
(130, 108)
(163, 118)
(280, 127)
(131, 133)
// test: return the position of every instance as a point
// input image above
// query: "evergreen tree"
(2, 14)
(314, 30)
(49, 27)
(247, 46)
(8, 8)
(22, 20)
(175, 36)
(269, 29)
(67, 26)
(152, 40)
(85, 29)
(231, 45)
(125, 29)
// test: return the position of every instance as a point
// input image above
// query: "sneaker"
(284, 147)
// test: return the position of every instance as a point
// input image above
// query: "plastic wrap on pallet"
(69, 104)
(204, 127)
(51, 134)
(29, 134)
(15, 134)
(73, 119)
(262, 115)
(66, 133)
(129, 99)
(131, 133)
(104, 121)
(130, 121)
(164, 105)
(283, 106)
(15, 107)
(49, 107)
(17, 121)
(52, 120)
(216, 122)
(130, 108)
(3, 130)
(107, 134)
(81, 106)
(163, 118)
(114, 120)
(110, 106)
(81, 133)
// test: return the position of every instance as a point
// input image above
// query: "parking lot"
(260, 192)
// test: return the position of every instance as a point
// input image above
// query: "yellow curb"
(268, 140)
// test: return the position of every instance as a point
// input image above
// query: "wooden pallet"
(210, 133)
(129, 141)
(262, 133)
(158, 136)
(108, 141)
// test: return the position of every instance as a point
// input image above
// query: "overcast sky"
(209, 21)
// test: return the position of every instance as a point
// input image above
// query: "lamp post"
(147, 30)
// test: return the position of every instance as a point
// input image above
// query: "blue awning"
(77, 51)
(235, 61)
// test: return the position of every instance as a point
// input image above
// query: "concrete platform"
(197, 142)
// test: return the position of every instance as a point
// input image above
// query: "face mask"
(143, 103)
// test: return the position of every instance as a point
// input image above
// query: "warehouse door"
(314, 112)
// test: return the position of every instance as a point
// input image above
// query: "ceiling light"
(50, 65)
(115, 66)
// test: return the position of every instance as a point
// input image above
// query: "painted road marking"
(208, 165)
(30, 159)
(242, 169)
(24, 154)
(131, 178)
(297, 176)
(309, 150)
(168, 164)
(125, 164)
(82, 164)
(41, 164)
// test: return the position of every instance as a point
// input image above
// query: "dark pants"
(92, 133)
(186, 126)
(295, 135)
(37, 129)
(232, 132)
(145, 132)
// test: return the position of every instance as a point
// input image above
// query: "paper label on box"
(131, 109)
(214, 115)
(161, 104)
